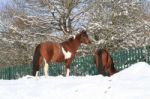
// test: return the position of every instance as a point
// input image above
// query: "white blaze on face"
(66, 54)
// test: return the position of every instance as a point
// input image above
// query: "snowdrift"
(131, 83)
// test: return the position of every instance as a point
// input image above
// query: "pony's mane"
(72, 37)
(69, 39)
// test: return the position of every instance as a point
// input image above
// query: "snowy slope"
(131, 83)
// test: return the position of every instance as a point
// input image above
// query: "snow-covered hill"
(131, 83)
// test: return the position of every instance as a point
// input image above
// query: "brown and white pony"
(104, 62)
(48, 52)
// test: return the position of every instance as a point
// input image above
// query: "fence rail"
(82, 65)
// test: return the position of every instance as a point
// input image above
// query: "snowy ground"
(131, 83)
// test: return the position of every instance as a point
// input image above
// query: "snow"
(130, 83)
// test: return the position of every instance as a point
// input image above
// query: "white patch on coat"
(68, 71)
(45, 68)
(66, 54)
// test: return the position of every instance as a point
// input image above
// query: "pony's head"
(84, 37)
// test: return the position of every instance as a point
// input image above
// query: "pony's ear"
(82, 28)
(83, 31)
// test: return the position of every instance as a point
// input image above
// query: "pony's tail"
(36, 59)
(100, 64)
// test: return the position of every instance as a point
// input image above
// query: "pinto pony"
(104, 62)
(58, 52)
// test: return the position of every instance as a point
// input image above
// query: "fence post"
(9, 73)
(145, 54)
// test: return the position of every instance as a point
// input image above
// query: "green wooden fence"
(82, 65)
(124, 58)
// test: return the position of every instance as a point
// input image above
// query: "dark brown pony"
(104, 62)
(58, 52)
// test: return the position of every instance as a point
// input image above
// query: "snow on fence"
(81, 65)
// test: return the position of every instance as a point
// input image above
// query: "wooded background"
(111, 24)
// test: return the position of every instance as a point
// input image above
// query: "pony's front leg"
(45, 68)
(67, 67)
(67, 72)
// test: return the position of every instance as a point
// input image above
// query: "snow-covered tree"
(25, 23)
(119, 24)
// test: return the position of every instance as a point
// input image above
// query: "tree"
(25, 23)
(119, 24)
(51, 15)
(66, 14)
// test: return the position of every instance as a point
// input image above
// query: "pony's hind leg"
(67, 72)
(38, 68)
(45, 68)
(37, 75)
